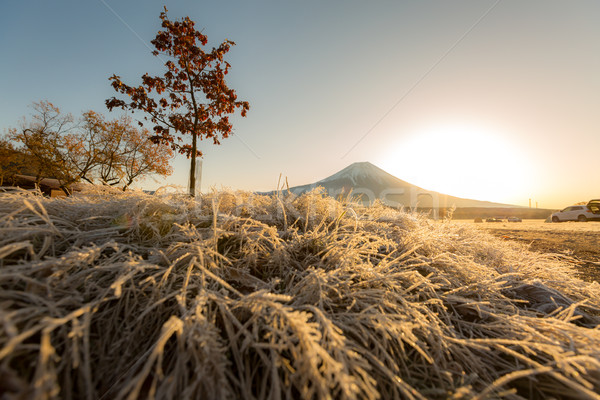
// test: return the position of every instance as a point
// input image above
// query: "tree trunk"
(193, 167)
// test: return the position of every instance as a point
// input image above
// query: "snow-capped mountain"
(369, 182)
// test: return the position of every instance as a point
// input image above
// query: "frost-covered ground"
(125, 295)
(538, 225)
(579, 242)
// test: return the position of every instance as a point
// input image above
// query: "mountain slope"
(370, 182)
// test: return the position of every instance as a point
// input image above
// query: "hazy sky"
(489, 100)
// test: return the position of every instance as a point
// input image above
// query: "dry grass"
(125, 295)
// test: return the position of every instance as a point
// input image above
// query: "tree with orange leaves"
(191, 98)
(42, 141)
(115, 152)
(93, 149)
(136, 156)
(12, 162)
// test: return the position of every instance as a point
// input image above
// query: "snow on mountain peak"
(358, 171)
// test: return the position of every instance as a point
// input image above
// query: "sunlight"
(462, 160)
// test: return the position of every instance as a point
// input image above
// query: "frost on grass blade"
(234, 295)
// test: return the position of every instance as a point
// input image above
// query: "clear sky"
(489, 100)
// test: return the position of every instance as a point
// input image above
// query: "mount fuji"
(367, 183)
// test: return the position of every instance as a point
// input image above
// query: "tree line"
(90, 148)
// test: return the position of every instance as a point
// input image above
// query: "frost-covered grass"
(538, 225)
(124, 295)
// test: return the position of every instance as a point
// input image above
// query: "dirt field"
(579, 240)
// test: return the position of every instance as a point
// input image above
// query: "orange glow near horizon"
(463, 161)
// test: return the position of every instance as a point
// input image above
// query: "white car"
(574, 213)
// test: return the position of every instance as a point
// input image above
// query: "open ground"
(576, 241)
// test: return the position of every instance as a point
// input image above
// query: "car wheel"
(555, 219)
(582, 218)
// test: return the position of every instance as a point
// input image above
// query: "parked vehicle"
(493, 220)
(594, 206)
(514, 219)
(580, 213)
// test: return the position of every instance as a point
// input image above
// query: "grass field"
(576, 242)
(539, 225)
(124, 295)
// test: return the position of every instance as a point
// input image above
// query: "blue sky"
(501, 108)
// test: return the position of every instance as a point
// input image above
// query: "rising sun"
(464, 161)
